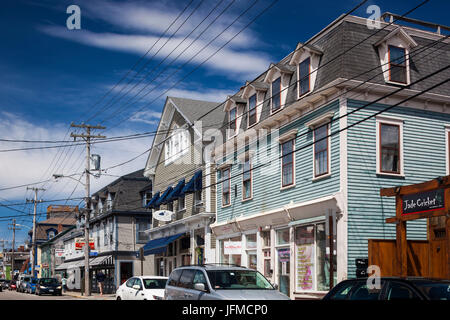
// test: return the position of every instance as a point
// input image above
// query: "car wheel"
(118, 298)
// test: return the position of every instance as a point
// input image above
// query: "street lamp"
(57, 176)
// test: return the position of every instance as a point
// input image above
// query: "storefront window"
(312, 260)
(230, 250)
(265, 235)
(251, 241)
(282, 237)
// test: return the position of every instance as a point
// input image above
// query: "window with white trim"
(321, 151)
(247, 180)
(226, 194)
(389, 147)
(176, 145)
(304, 76)
(181, 204)
(276, 94)
(252, 110)
(397, 64)
(232, 114)
(287, 163)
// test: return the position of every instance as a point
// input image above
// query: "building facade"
(116, 224)
(183, 186)
(311, 141)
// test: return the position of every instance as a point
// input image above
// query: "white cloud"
(22, 167)
(245, 63)
(206, 95)
(150, 117)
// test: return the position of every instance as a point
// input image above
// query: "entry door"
(126, 271)
(283, 268)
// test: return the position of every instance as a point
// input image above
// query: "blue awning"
(163, 198)
(177, 191)
(159, 245)
(153, 200)
(194, 184)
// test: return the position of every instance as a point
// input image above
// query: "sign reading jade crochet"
(423, 202)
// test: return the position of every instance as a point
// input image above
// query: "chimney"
(60, 228)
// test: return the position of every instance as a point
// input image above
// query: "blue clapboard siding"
(424, 159)
(266, 185)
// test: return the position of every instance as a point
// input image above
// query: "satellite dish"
(163, 215)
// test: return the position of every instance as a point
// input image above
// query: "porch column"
(192, 246)
(209, 253)
(259, 254)
(244, 258)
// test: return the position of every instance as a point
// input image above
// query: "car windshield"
(435, 290)
(155, 283)
(238, 280)
(47, 281)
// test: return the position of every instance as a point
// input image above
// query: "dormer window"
(304, 76)
(232, 121)
(276, 94)
(397, 64)
(393, 51)
(252, 110)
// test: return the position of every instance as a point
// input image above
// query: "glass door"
(284, 257)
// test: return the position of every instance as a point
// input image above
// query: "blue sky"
(51, 76)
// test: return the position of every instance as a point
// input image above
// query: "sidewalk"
(93, 296)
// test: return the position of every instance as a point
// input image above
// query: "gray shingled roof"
(195, 110)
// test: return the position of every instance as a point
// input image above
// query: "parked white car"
(142, 288)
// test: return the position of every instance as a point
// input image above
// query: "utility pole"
(33, 236)
(13, 227)
(87, 137)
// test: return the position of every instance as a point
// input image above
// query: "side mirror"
(137, 287)
(199, 287)
(275, 286)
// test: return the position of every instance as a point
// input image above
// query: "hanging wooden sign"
(423, 202)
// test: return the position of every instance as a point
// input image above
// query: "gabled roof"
(301, 47)
(282, 68)
(400, 32)
(210, 113)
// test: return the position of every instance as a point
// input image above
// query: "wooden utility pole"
(87, 137)
(13, 227)
(33, 236)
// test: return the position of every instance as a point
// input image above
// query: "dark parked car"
(4, 283)
(391, 288)
(48, 286)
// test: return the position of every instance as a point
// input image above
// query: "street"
(14, 295)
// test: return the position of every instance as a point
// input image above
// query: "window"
(51, 234)
(105, 235)
(199, 277)
(232, 121)
(186, 278)
(176, 145)
(247, 180)
(389, 148)
(198, 197)
(252, 110)
(304, 76)
(146, 198)
(276, 94)
(397, 64)
(170, 206)
(321, 165)
(399, 291)
(226, 187)
(174, 277)
(181, 204)
(141, 226)
(287, 150)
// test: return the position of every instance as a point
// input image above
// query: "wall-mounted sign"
(423, 202)
(232, 247)
(163, 215)
(79, 243)
(59, 253)
(284, 255)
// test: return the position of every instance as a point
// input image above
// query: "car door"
(187, 291)
(137, 294)
(199, 277)
(127, 290)
(172, 289)
(397, 290)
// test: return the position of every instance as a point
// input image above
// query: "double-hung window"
(247, 180)
(321, 151)
(141, 226)
(389, 148)
(397, 64)
(276, 94)
(226, 187)
(232, 121)
(252, 110)
(287, 163)
(304, 76)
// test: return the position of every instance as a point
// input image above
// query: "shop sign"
(59, 253)
(232, 247)
(423, 202)
(163, 215)
(79, 243)
(284, 255)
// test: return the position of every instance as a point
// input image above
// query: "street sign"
(93, 253)
(59, 253)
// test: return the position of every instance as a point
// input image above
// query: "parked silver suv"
(219, 282)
